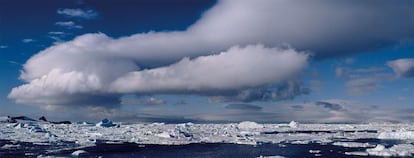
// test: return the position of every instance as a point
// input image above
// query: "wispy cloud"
(28, 40)
(56, 33)
(142, 101)
(68, 25)
(402, 67)
(3, 46)
(362, 81)
(244, 107)
(58, 36)
(78, 13)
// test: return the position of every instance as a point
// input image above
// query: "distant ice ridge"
(247, 132)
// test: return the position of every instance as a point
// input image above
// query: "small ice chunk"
(10, 146)
(163, 135)
(105, 123)
(276, 156)
(249, 125)
(357, 153)
(300, 142)
(314, 151)
(293, 124)
(353, 144)
(379, 147)
(80, 153)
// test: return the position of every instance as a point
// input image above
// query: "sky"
(219, 61)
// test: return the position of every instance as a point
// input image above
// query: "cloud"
(325, 27)
(403, 67)
(324, 111)
(3, 46)
(28, 40)
(331, 106)
(244, 107)
(249, 33)
(342, 72)
(58, 36)
(236, 69)
(78, 13)
(148, 101)
(68, 25)
(56, 33)
(363, 81)
(282, 91)
(362, 86)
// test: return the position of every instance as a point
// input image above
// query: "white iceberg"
(293, 124)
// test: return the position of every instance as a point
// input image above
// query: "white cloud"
(3, 46)
(78, 13)
(325, 27)
(28, 40)
(68, 25)
(403, 67)
(236, 69)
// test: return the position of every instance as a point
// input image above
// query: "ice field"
(380, 139)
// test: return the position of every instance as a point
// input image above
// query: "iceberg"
(106, 123)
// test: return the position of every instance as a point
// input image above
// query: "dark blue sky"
(346, 61)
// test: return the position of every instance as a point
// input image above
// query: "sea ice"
(397, 135)
(249, 125)
(395, 150)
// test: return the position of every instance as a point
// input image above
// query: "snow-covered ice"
(80, 153)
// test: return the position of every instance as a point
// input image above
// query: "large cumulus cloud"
(86, 79)
(95, 66)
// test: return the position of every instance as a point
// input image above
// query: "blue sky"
(208, 61)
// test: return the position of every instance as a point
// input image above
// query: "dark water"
(182, 151)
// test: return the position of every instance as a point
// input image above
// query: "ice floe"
(353, 144)
(397, 135)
